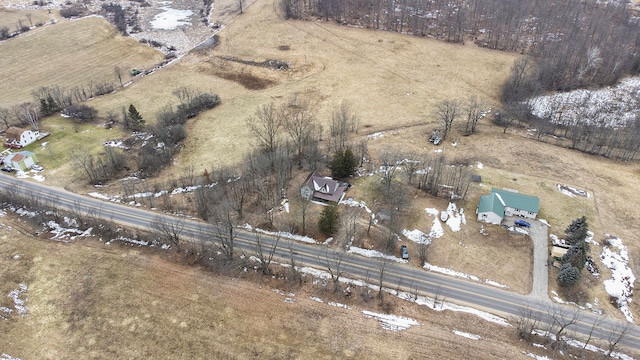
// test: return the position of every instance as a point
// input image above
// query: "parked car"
(522, 223)
(7, 169)
(36, 167)
(405, 252)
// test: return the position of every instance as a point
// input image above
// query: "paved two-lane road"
(403, 276)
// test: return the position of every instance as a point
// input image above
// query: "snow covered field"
(614, 106)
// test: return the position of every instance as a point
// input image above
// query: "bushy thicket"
(81, 112)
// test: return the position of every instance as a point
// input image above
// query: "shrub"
(84, 113)
(69, 12)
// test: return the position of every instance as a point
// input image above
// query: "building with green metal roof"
(500, 203)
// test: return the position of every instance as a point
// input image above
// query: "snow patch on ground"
(343, 306)
(467, 335)
(456, 218)
(436, 228)
(374, 254)
(537, 357)
(19, 297)
(8, 357)
(620, 285)
(353, 203)
(63, 233)
(571, 191)
(281, 234)
(444, 305)
(391, 322)
(29, 174)
(446, 271)
(416, 236)
(580, 345)
(170, 18)
(128, 240)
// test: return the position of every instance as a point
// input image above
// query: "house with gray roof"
(500, 203)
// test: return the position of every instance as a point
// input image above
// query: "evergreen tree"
(576, 232)
(568, 276)
(136, 122)
(328, 222)
(576, 256)
(343, 164)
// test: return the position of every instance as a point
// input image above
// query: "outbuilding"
(22, 160)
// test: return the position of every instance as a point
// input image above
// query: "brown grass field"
(12, 18)
(68, 54)
(392, 82)
(89, 300)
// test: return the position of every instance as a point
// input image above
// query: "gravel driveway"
(538, 234)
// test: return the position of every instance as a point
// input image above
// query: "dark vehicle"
(405, 252)
(522, 223)
(7, 169)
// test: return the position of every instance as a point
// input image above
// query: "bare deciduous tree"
(265, 258)
(615, 336)
(117, 70)
(526, 323)
(424, 249)
(5, 117)
(474, 110)
(28, 114)
(382, 267)
(265, 125)
(334, 266)
(169, 230)
(343, 121)
(299, 123)
(446, 113)
(225, 233)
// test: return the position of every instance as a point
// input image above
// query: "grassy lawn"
(66, 137)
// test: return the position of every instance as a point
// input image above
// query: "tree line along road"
(396, 276)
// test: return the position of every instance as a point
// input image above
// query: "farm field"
(86, 299)
(68, 54)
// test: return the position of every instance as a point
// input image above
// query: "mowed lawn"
(68, 54)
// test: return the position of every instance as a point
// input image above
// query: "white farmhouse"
(19, 138)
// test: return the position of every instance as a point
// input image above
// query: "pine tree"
(328, 222)
(577, 231)
(568, 276)
(136, 122)
(343, 164)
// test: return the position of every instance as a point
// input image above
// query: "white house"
(500, 203)
(18, 138)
